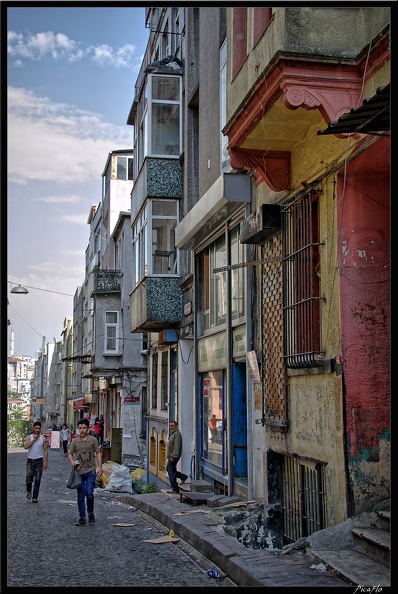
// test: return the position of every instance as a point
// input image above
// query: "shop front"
(223, 417)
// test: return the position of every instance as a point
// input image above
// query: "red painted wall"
(364, 267)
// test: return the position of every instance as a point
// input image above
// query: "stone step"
(200, 487)
(357, 568)
(376, 543)
(384, 519)
(221, 500)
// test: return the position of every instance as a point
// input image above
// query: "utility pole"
(42, 378)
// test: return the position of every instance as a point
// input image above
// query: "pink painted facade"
(364, 269)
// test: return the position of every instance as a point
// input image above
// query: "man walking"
(174, 451)
(86, 449)
(37, 460)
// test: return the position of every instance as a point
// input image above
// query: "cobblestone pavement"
(46, 549)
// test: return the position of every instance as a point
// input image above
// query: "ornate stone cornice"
(332, 89)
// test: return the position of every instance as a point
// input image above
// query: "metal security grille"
(274, 385)
(304, 505)
(301, 273)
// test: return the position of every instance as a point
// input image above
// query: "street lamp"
(19, 290)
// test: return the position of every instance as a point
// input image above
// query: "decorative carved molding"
(333, 91)
(273, 166)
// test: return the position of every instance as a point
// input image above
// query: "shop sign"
(131, 399)
(79, 404)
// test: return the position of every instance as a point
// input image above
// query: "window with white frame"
(176, 37)
(124, 168)
(162, 120)
(111, 333)
(157, 221)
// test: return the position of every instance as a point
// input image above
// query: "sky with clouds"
(71, 73)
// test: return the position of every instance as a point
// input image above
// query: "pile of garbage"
(118, 478)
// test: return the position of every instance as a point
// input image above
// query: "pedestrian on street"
(97, 429)
(102, 423)
(86, 449)
(65, 437)
(174, 451)
(37, 460)
(213, 428)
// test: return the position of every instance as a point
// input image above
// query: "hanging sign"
(253, 366)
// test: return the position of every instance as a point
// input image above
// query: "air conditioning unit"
(261, 225)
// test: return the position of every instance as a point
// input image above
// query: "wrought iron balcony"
(107, 281)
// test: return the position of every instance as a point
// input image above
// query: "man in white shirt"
(37, 461)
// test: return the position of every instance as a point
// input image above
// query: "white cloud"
(59, 199)
(57, 141)
(78, 219)
(58, 46)
(104, 55)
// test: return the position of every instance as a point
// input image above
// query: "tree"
(17, 425)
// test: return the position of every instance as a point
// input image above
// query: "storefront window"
(214, 420)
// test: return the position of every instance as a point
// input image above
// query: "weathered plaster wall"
(364, 267)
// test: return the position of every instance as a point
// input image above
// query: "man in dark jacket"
(174, 451)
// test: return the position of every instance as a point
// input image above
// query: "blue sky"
(71, 73)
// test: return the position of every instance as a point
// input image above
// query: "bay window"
(154, 250)
(162, 120)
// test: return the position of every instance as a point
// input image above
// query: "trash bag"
(135, 474)
(74, 480)
(120, 480)
(139, 484)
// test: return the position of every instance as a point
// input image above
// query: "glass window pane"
(214, 417)
(164, 207)
(111, 338)
(220, 278)
(111, 317)
(163, 246)
(121, 168)
(165, 129)
(166, 87)
(237, 277)
(130, 169)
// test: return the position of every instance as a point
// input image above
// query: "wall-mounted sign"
(79, 404)
(253, 366)
(131, 399)
(212, 351)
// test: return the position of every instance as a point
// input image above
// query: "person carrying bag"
(74, 480)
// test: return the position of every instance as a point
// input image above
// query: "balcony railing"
(107, 281)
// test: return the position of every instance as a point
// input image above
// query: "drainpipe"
(249, 382)
(42, 378)
(196, 386)
(229, 383)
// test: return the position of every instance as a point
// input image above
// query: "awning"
(228, 193)
(373, 117)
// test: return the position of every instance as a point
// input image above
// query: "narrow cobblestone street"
(46, 549)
